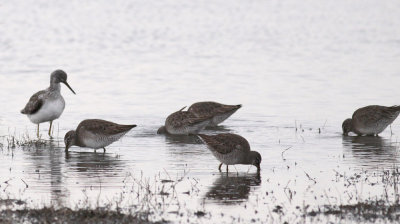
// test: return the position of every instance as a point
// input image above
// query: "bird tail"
(203, 138)
(396, 107)
(234, 108)
(129, 126)
(182, 108)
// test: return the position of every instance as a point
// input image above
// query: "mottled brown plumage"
(219, 112)
(103, 127)
(226, 143)
(183, 123)
(370, 120)
(231, 149)
(34, 103)
(95, 133)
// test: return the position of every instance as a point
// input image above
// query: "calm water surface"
(290, 63)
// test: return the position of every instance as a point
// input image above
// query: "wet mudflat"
(359, 181)
(298, 69)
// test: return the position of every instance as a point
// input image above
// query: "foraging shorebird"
(370, 120)
(231, 149)
(95, 134)
(219, 112)
(47, 105)
(183, 123)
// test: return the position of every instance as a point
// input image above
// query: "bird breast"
(51, 110)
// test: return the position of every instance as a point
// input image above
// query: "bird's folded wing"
(211, 108)
(226, 143)
(34, 104)
(226, 109)
(375, 114)
(96, 126)
(184, 118)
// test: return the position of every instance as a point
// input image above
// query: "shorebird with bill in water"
(95, 134)
(219, 112)
(184, 123)
(370, 120)
(47, 105)
(231, 149)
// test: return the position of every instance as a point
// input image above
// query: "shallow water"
(296, 67)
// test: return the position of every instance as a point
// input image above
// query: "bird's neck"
(55, 86)
(77, 142)
(162, 130)
(248, 159)
(352, 127)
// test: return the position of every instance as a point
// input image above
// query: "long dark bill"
(66, 83)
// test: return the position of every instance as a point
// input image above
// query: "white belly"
(229, 158)
(220, 118)
(51, 110)
(100, 141)
(96, 144)
(372, 130)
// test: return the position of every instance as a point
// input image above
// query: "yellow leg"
(51, 122)
(37, 130)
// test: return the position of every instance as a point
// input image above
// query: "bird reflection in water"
(370, 151)
(219, 128)
(90, 163)
(46, 171)
(181, 139)
(232, 188)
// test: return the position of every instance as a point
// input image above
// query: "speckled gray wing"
(102, 127)
(34, 104)
(209, 108)
(373, 115)
(97, 133)
(226, 143)
(182, 119)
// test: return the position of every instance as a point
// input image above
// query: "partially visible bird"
(218, 112)
(370, 120)
(231, 149)
(183, 123)
(95, 134)
(47, 105)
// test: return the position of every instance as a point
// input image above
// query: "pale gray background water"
(288, 62)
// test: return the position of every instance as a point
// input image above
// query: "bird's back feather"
(209, 108)
(225, 143)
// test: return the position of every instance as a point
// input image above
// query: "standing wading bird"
(231, 149)
(370, 120)
(47, 105)
(183, 123)
(218, 112)
(95, 134)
